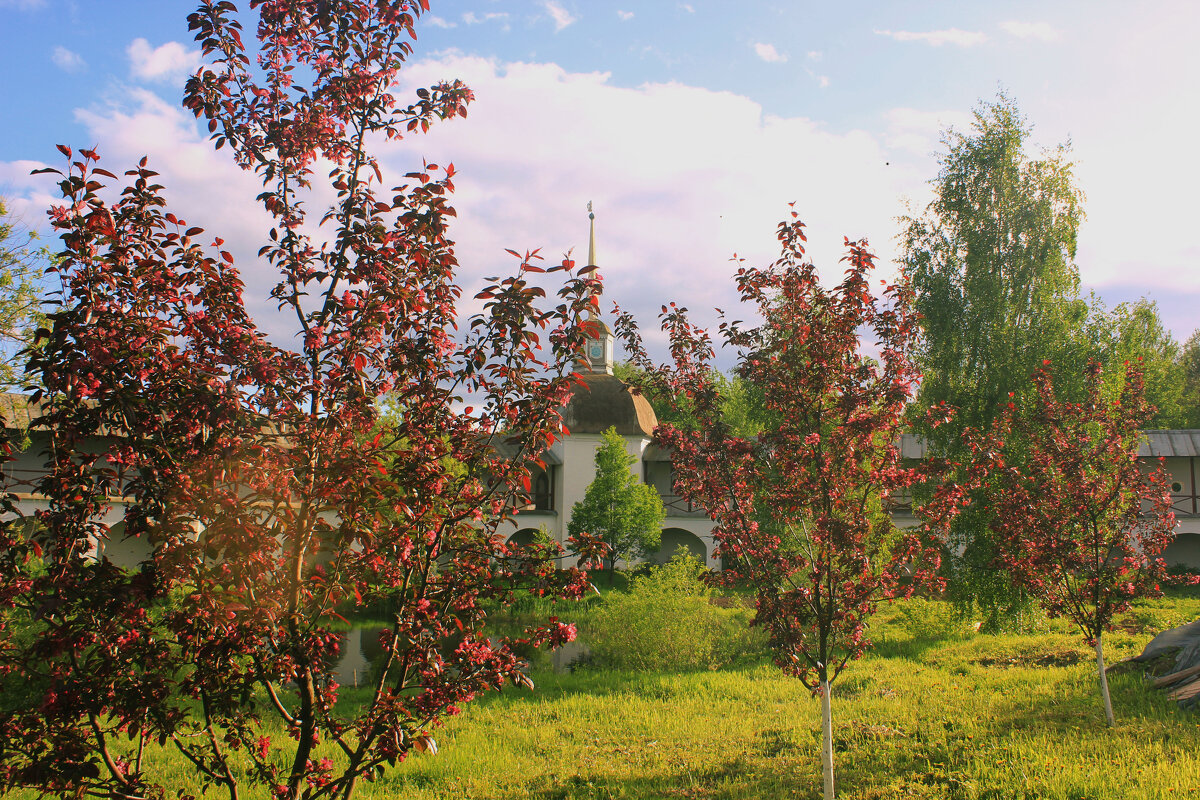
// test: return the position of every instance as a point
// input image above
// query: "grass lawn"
(934, 712)
(1014, 716)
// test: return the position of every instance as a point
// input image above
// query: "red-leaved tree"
(801, 509)
(266, 489)
(1080, 523)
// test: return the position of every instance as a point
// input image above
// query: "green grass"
(962, 716)
(937, 725)
(1013, 716)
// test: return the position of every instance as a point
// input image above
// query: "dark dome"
(604, 401)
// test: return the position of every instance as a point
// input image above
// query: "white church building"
(602, 401)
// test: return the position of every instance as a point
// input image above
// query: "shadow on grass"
(713, 781)
(910, 649)
(867, 768)
(550, 686)
(945, 750)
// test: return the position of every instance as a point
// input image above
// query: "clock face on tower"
(596, 351)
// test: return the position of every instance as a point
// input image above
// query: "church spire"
(591, 236)
(600, 346)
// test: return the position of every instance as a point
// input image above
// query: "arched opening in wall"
(1184, 550)
(673, 539)
(543, 494)
(124, 551)
(522, 538)
(540, 496)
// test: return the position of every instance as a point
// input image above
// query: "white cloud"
(821, 80)
(562, 18)
(918, 132)
(624, 15)
(27, 196)
(171, 61)
(682, 177)
(706, 175)
(815, 55)
(16, 173)
(1126, 197)
(938, 38)
(1042, 31)
(471, 18)
(768, 53)
(438, 22)
(67, 60)
(702, 175)
(688, 8)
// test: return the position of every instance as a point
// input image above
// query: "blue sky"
(691, 126)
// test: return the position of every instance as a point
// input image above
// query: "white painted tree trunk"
(1104, 682)
(827, 739)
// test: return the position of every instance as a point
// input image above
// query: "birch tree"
(997, 288)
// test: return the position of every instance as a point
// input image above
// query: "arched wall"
(523, 537)
(1184, 549)
(126, 552)
(674, 538)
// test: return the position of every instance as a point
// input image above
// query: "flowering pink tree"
(801, 509)
(1080, 524)
(266, 487)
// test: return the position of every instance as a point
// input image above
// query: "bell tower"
(599, 353)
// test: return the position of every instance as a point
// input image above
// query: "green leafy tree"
(1134, 333)
(617, 509)
(992, 264)
(666, 623)
(21, 264)
(1189, 364)
(743, 405)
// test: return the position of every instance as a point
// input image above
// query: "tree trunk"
(1104, 682)
(827, 738)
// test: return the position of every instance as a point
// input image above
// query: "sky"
(690, 126)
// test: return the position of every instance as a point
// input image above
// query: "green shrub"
(932, 619)
(667, 622)
(1019, 619)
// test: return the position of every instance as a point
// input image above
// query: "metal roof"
(1157, 443)
(603, 401)
(1171, 444)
